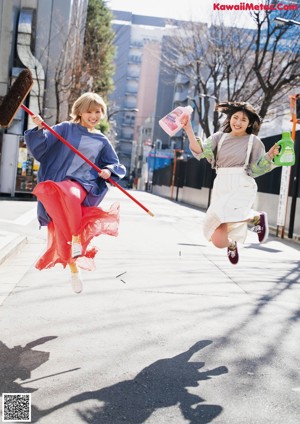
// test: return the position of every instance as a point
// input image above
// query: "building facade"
(41, 35)
(138, 93)
(142, 82)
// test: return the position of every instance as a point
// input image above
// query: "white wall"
(264, 201)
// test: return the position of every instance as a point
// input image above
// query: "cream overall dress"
(233, 195)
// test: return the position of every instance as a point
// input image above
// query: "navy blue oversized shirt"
(58, 162)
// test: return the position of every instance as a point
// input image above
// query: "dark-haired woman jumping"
(238, 156)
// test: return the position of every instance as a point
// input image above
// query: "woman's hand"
(185, 120)
(273, 151)
(37, 120)
(105, 174)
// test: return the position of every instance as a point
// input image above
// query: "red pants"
(63, 203)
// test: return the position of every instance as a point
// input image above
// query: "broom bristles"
(15, 97)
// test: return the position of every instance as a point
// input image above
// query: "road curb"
(12, 246)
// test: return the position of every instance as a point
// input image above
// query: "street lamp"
(283, 21)
(109, 115)
(178, 155)
(119, 150)
(207, 95)
(210, 170)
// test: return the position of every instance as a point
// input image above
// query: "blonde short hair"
(85, 103)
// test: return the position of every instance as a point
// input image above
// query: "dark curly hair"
(229, 108)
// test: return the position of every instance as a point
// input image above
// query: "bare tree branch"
(255, 65)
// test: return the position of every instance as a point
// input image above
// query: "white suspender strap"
(219, 145)
(221, 142)
(250, 144)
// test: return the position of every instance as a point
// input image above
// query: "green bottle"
(286, 156)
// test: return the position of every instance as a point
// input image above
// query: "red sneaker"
(262, 228)
(233, 254)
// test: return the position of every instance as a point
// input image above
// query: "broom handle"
(87, 160)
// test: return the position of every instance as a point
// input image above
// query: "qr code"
(16, 407)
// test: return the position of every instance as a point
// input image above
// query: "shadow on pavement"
(160, 385)
(18, 362)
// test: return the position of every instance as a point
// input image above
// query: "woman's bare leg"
(220, 237)
(73, 268)
(76, 280)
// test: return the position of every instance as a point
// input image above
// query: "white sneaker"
(76, 282)
(76, 249)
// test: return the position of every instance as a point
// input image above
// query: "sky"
(164, 8)
(195, 10)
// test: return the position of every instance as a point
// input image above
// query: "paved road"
(165, 331)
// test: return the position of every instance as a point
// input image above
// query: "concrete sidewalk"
(165, 331)
(13, 215)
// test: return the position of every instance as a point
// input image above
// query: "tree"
(237, 64)
(99, 49)
(90, 45)
(277, 60)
